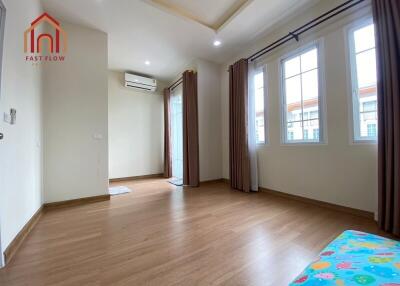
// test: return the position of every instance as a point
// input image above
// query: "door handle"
(1, 136)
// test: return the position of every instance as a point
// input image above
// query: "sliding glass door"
(177, 132)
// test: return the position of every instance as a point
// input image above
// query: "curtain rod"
(180, 80)
(311, 24)
(175, 84)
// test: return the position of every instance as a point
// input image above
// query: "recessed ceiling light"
(217, 43)
(147, 63)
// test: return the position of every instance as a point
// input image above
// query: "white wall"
(209, 105)
(338, 172)
(136, 129)
(21, 149)
(75, 112)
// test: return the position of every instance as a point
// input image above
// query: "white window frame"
(354, 107)
(264, 69)
(322, 110)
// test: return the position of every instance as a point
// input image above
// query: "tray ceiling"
(199, 10)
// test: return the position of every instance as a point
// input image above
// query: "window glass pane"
(314, 123)
(369, 106)
(364, 84)
(293, 90)
(309, 60)
(293, 113)
(316, 134)
(305, 134)
(293, 99)
(364, 38)
(259, 107)
(294, 131)
(314, 114)
(366, 68)
(371, 130)
(259, 80)
(310, 85)
(311, 128)
(310, 95)
(366, 120)
(260, 129)
(259, 100)
(292, 67)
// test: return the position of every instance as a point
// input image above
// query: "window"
(301, 97)
(363, 77)
(259, 107)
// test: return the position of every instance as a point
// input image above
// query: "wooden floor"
(165, 235)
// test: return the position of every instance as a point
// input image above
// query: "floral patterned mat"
(355, 258)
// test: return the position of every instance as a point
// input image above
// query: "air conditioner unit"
(140, 82)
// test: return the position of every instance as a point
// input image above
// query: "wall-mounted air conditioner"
(140, 82)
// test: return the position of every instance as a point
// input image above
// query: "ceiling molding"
(222, 22)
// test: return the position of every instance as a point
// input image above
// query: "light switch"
(10, 118)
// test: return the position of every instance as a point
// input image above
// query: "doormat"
(176, 182)
(119, 190)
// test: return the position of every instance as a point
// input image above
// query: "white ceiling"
(139, 30)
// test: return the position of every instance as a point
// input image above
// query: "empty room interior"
(200, 142)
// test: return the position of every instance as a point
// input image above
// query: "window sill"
(364, 142)
(261, 145)
(305, 143)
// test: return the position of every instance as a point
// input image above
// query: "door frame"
(2, 28)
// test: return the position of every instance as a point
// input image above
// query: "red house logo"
(55, 41)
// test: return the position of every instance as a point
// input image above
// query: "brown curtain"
(387, 23)
(190, 130)
(239, 155)
(167, 135)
